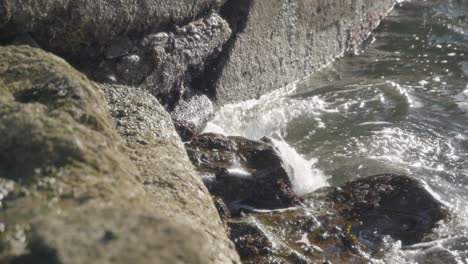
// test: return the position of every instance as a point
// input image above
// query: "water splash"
(266, 116)
(270, 116)
(305, 177)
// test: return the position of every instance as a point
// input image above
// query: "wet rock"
(107, 235)
(395, 205)
(190, 117)
(84, 28)
(341, 225)
(239, 169)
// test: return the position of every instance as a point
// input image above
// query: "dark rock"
(119, 47)
(276, 43)
(25, 39)
(236, 169)
(394, 205)
(341, 225)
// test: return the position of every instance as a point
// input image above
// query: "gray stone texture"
(71, 26)
(281, 41)
(175, 189)
(65, 172)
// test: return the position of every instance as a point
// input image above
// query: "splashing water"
(270, 116)
(400, 106)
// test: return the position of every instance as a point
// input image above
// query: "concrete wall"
(281, 41)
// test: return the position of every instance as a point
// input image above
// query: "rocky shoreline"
(92, 164)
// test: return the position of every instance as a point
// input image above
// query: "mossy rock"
(57, 143)
(65, 172)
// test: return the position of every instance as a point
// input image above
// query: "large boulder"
(60, 154)
(278, 42)
(57, 144)
(86, 28)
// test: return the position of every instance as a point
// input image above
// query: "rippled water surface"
(400, 105)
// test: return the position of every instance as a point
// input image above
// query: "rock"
(190, 117)
(277, 43)
(132, 68)
(84, 28)
(60, 154)
(25, 39)
(236, 168)
(107, 235)
(345, 224)
(169, 178)
(57, 144)
(166, 63)
(181, 56)
(395, 205)
(119, 47)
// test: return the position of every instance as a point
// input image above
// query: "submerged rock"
(242, 170)
(347, 224)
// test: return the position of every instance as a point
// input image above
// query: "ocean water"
(399, 105)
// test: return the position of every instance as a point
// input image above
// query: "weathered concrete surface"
(71, 27)
(169, 178)
(280, 41)
(64, 170)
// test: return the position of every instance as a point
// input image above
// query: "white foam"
(375, 123)
(305, 177)
(266, 116)
(270, 115)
